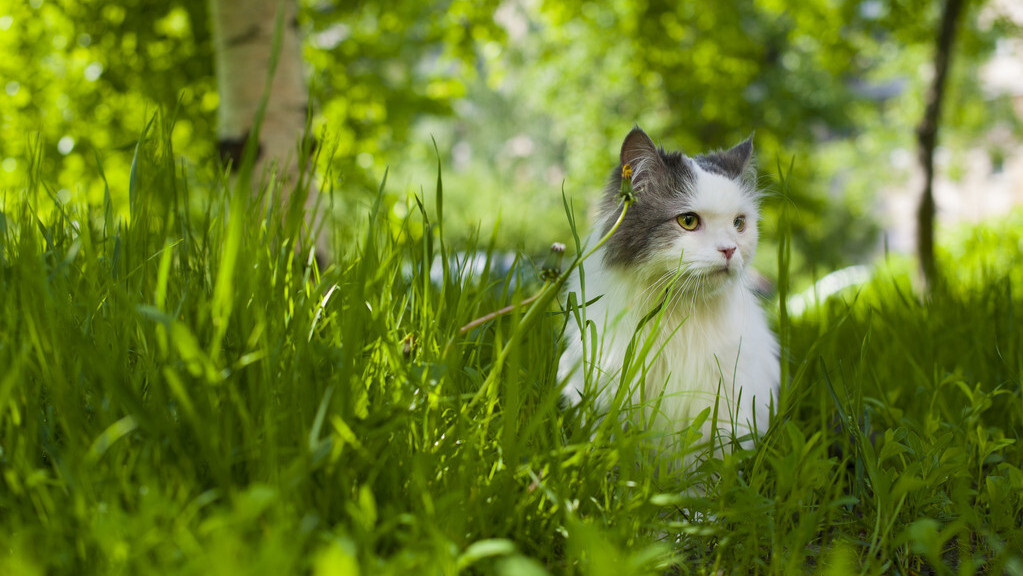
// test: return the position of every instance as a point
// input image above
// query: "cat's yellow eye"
(689, 221)
(739, 223)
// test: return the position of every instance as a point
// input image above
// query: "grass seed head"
(552, 265)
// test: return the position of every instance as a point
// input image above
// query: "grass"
(181, 395)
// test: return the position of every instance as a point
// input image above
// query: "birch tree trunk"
(243, 42)
(927, 138)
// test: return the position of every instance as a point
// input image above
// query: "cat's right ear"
(640, 153)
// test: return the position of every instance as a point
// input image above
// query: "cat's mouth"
(716, 274)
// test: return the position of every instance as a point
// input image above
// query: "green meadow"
(181, 394)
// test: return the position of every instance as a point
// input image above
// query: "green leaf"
(485, 549)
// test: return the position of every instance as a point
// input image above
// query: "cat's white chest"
(711, 354)
(715, 358)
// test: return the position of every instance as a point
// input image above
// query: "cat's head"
(695, 213)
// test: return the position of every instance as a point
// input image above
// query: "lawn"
(180, 394)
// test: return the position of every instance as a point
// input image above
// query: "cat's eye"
(689, 221)
(739, 223)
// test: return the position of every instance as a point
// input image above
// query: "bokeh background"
(526, 99)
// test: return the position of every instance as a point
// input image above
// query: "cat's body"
(683, 249)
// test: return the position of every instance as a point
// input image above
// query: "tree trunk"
(927, 137)
(243, 41)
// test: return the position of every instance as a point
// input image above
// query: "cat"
(681, 261)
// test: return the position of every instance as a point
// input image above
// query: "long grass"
(180, 394)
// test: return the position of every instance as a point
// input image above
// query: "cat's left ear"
(738, 161)
(643, 157)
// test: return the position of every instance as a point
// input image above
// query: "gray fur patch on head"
(662, 181)
(735, 163)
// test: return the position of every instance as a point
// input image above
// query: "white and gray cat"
(681, 258)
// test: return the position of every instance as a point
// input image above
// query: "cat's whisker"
(656, 289)
(696, 292)
(685, 290)
(668, 286)
(676, 289)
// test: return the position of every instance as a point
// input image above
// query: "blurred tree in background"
(81, 79)
(524, 98)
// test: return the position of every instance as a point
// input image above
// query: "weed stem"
(503, 311)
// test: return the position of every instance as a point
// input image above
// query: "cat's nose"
(727, 252)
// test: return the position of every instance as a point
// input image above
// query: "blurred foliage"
(82, 78)
(991, 249)
(524, 99)
(378, 68)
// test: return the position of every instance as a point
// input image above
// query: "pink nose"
(727, 252)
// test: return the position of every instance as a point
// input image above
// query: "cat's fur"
(717, 346)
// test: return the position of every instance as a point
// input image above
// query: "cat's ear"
(640, 153)
(737, 162)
